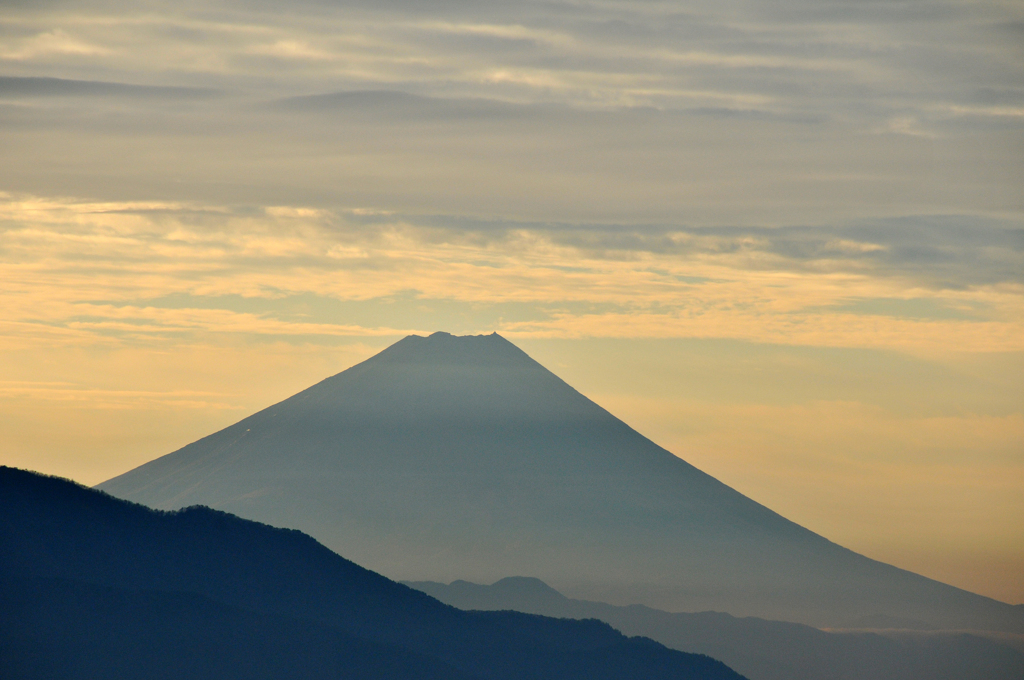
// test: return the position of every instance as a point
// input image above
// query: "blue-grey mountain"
(445, 458)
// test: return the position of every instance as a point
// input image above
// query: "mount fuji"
(446, 457)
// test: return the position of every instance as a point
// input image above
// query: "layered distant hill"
(769, 650)
(95, 587)
(447, 458)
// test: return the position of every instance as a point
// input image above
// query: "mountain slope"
(96, 579)
(761, 649)
(55, 628)
(460, 457)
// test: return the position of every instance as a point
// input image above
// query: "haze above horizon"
(784, 241)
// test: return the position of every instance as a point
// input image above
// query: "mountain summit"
(448, 457)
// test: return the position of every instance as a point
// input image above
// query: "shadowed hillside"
(460, 457)
(55, 628)
(92, 586)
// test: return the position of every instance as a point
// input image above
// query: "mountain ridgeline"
(445, 458)
(96, 587)
(769, 650)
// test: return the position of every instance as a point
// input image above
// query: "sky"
(784, 240)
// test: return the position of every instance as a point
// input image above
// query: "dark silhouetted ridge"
(92, 586)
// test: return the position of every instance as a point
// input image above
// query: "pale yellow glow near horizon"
(937, 495)
(131, 329)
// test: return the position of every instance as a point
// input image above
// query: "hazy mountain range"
(768, 650)
(95, 587)
(446, 458)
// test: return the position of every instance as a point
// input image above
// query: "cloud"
(397, 105)
(15, 87)
(126, 273)
(934, 250)
(56, 42)
(566, 112)
(872, 63)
